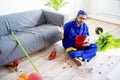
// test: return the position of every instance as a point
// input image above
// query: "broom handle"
(25, 52)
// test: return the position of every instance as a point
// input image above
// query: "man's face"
(81, 18)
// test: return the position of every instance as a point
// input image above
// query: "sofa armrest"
(54, 18)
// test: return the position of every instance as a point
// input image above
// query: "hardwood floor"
(62, 67)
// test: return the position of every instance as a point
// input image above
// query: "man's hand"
(61, 30)
(86, 42)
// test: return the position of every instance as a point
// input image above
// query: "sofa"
(35, 29)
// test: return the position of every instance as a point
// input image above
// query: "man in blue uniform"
(73, 32)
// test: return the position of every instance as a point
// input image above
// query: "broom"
(34, 75)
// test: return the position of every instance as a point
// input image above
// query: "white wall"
(70, 10)
(103, 10)
(81, 4)
(11, 6)
(73, 7)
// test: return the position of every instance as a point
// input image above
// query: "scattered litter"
(101, 64)
(108, 65)
(100, 73)
(63, 67)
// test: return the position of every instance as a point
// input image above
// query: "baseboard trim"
(113, 20)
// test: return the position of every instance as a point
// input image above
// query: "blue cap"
(81, 12)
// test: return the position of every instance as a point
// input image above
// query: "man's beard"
(79, 22)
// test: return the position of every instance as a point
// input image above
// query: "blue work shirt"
(71, 30)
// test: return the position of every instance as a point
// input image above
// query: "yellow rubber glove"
(70, 49)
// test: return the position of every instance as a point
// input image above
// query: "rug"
(98, 68)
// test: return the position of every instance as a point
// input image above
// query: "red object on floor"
(15, 63)
(12, 66)
(35, 76)
(53, 54)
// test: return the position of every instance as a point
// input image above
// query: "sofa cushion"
(20, 20)
(33, 39)
(54, 18)
(3, 26)
(42, 19)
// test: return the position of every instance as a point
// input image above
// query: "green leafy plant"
(56, 4)
(107, 41)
